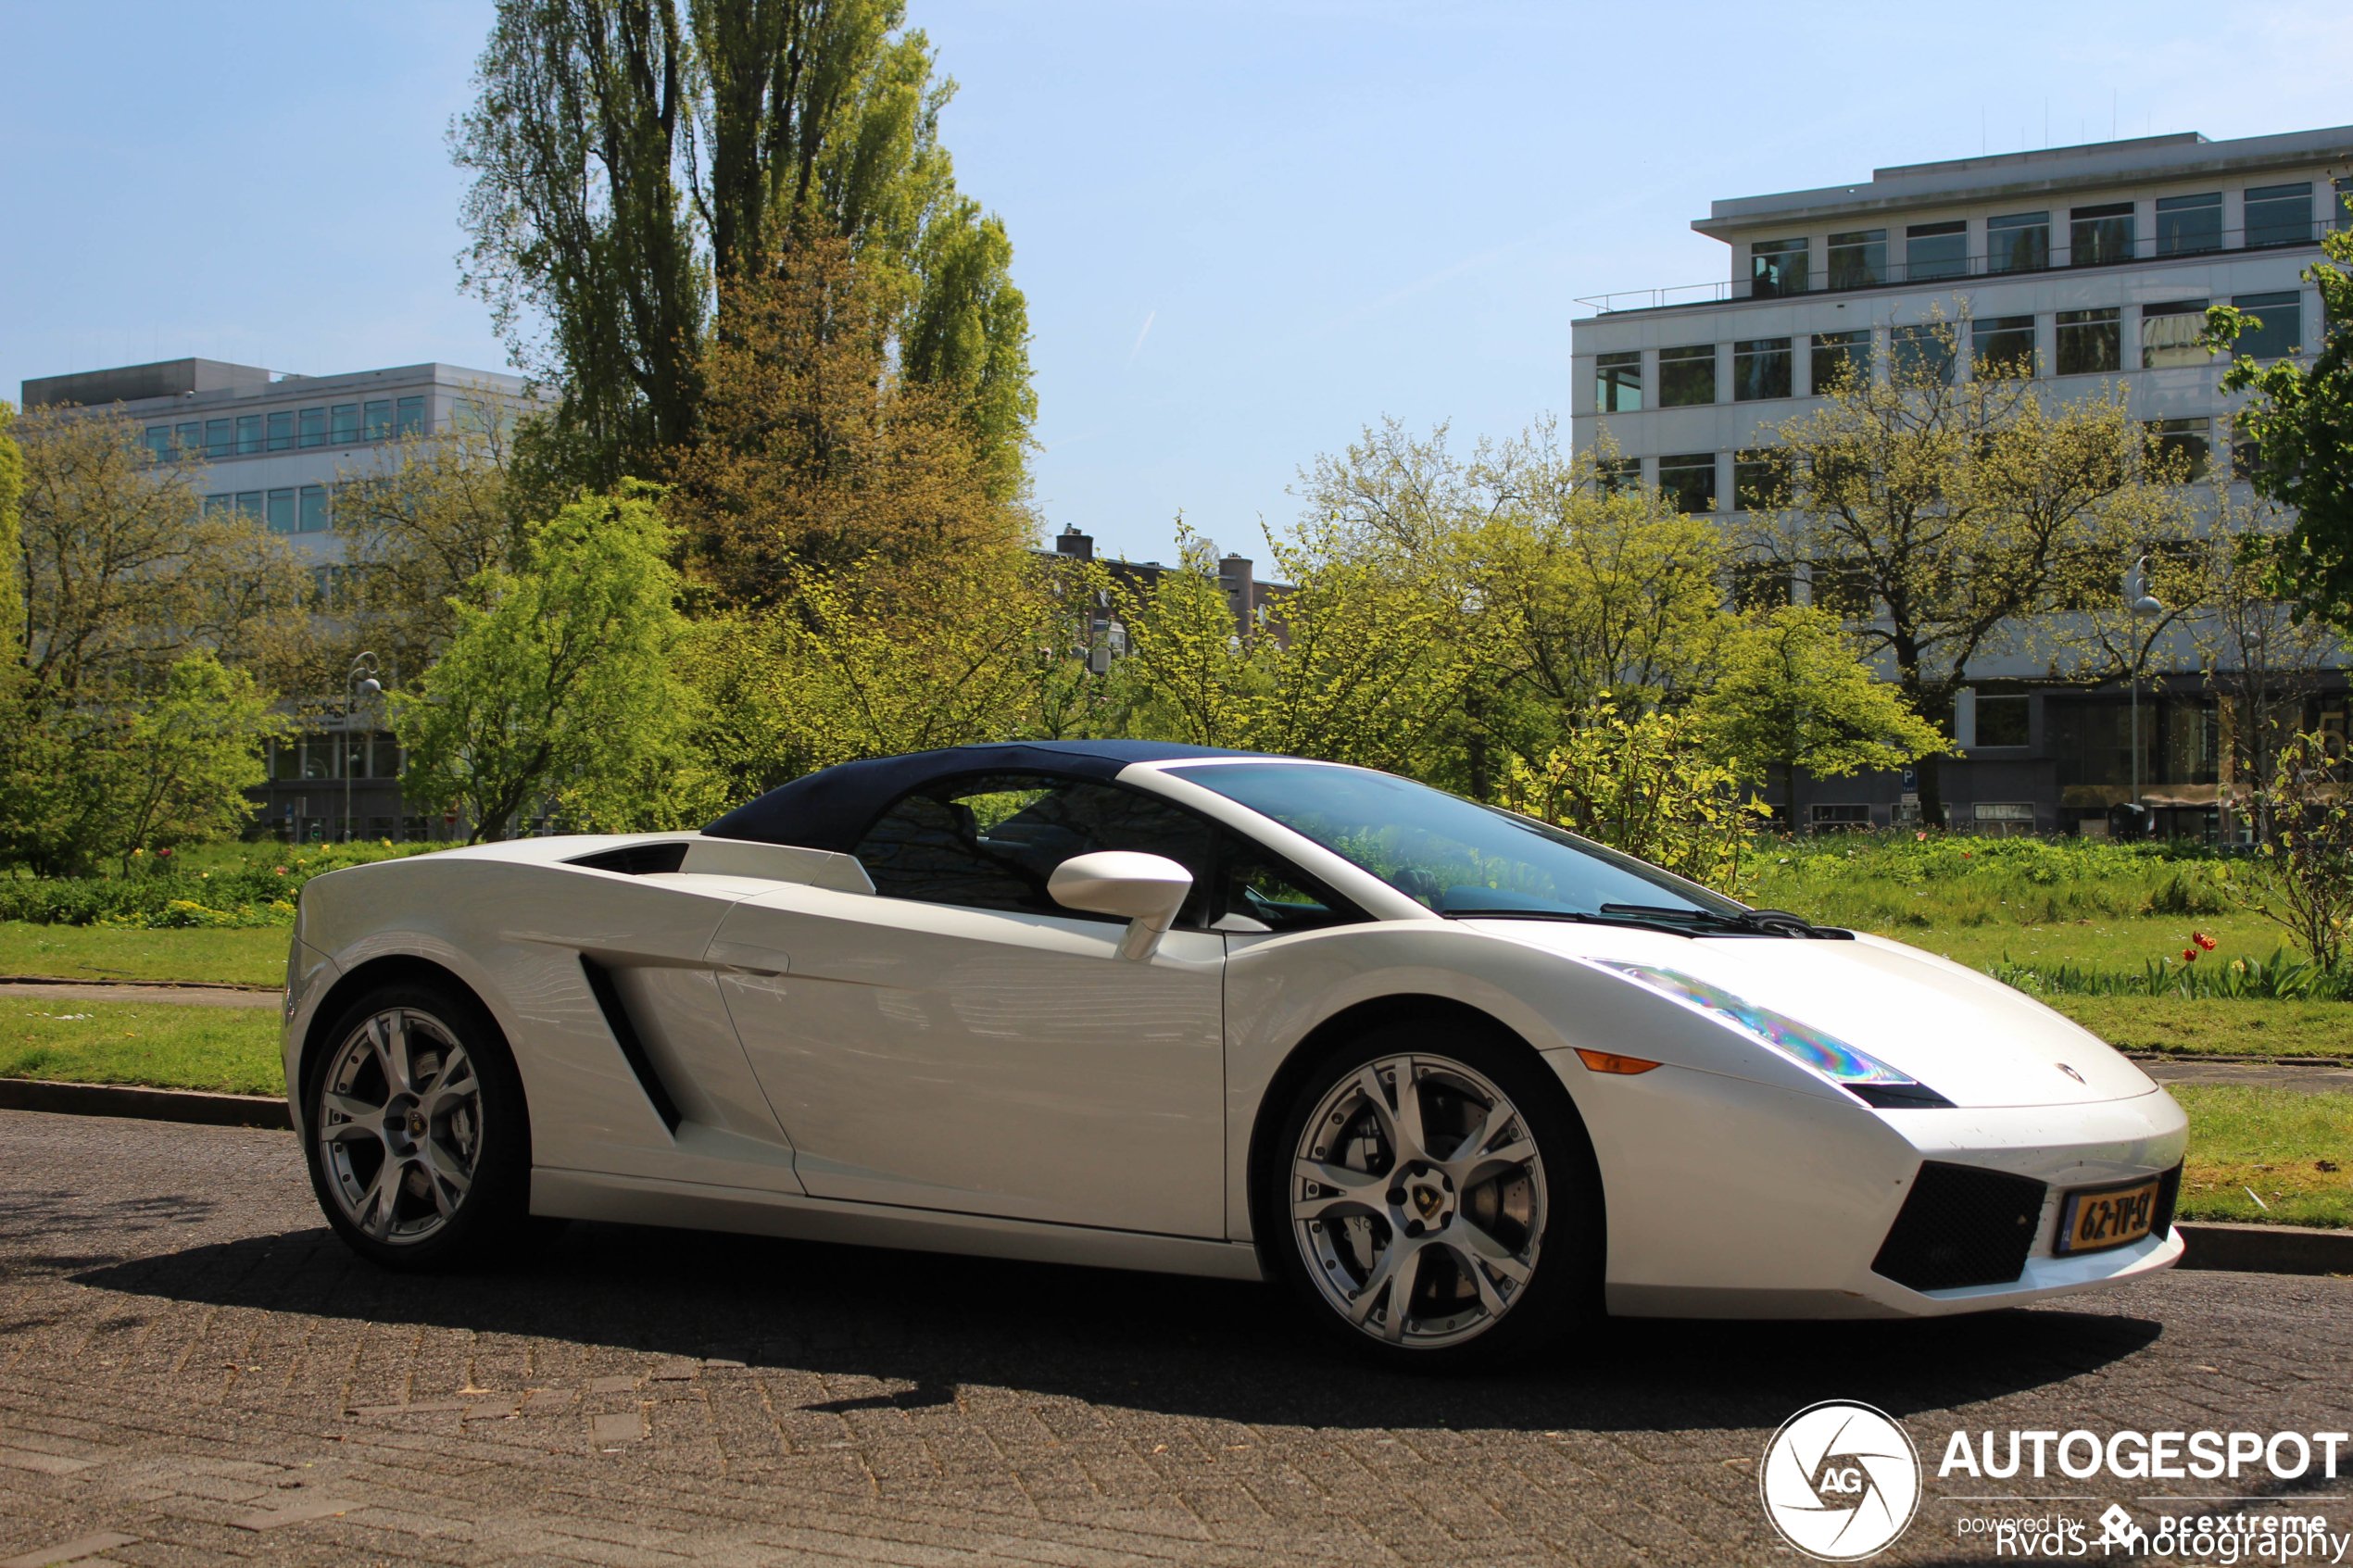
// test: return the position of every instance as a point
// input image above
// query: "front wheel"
(419, 1143)
(1435, 1201)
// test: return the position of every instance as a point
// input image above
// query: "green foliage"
(2301, 877)
(1909, 882)
(563, 689)
(1644, 784)
(2278, 978)
(84, 782)
(11, 539)
(225, 1050)
(2301, 423)
(264, 880)
(2267, 1156)
(1794, 693)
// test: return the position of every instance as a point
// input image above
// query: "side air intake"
(638, 860)
(624, 1035)
(1962, 1225)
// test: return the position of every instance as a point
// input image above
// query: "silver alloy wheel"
(1417, 1200)
(400, 1125)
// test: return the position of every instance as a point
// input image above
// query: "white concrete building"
(2090, 264)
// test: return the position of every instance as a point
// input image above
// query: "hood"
(1972, 1039)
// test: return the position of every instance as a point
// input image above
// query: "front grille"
(1961, 1225)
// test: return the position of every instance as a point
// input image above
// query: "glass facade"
(1688, 481)
(1776, 267)
(2019, 242)
(1760, 478)
(313, 514)
(220, 438)
(2283, 328)
(2186, 225)
(1760, 370)
(380, 420)
(2188, 443)
(1687, 376)
(1859, 259)
(346, 423)
(314, 427)
(2169, 333)
(282, 511)
(1936, 250)
(1618, 475)
(1618, 383)
(2097, 235)
(413, 416)
(1839, 356)
(1922, 354)
(248, 434)
(2003, 347)
(2279, 215)
(281, 430)
(2091, 343)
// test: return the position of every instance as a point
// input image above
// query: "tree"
(632, 156)
(1940, 520)
(819, 451)
(12, 627)
(559, 685)
(82, 783)
(2301, 877)
(2299, 425)
(1795, 694)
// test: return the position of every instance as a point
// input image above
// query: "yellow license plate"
(2099, 1217)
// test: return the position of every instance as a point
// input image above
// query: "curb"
(2265, 1249)
(143, 1104)
(171, 985)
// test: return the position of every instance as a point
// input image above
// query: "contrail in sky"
(1143, 334)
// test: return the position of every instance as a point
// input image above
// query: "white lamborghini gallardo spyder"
(1453, 1077)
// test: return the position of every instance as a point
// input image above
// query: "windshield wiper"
(1576, 917)
(1759, 922)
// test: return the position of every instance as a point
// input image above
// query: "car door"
(958, 1041)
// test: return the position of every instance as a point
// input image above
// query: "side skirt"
(646, 1200)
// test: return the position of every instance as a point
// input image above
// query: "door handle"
(742, 955)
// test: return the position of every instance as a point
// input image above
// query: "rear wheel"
(1434, 1203)
(419, 1145)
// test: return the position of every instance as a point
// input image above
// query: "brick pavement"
(191, 1371)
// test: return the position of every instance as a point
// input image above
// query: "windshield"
(1450, 855)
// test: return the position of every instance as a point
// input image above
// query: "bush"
(244, 886)
(2278, 978)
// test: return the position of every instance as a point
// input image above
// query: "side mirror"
(1147, 890)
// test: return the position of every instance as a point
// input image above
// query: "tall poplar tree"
(634, 158)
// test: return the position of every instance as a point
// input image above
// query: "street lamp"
(2143, 604)
(361, 681)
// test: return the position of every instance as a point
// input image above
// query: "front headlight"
(1857, 1070)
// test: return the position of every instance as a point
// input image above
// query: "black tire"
(440, 1178)
(1505, 1263)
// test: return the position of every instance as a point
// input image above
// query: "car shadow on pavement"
(924, 1325)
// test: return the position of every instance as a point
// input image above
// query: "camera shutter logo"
(1840, 1480)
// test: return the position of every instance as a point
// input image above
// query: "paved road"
(178, 996)
(2309, 1080)
(191, 1371)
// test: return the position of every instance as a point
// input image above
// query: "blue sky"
(1245, 231)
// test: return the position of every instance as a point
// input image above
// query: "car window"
(1255, 887)
(990, 841)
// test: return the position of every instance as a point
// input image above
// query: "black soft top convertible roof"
(831, 808)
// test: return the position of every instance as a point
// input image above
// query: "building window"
(1618, 383)
(1843, 588)
(1936, 250)
(2182, 442)
(1922, 354)
(2020, 242)
(313, 514)
(2345, 202)
(2091, 343)
(380, 420)
(2283, 328)
(1859, 259)
(1760, 370)
(2001, 720)
(314, 427)
(1839, 816)
(158, 442)
(2279, 215)
(219, 506)
(2097, 235)
(220, 438)
(1776, 267)
(2186, 225)
(248, 434)
(346, 423)
(2002, 347)
(412, 415)
(1840, 356)
(282, 511)
(2169, 334)
(1760, 479)
(190, 438)
(1688, 481)
(1618, 475)
(1759, 585)
(249, 504)
(281, 430)
(1686, 375)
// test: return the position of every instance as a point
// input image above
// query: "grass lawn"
(2121, 944)
(2180, 1025)
(2294, 1150)
(229, 1050)
(88, 952)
